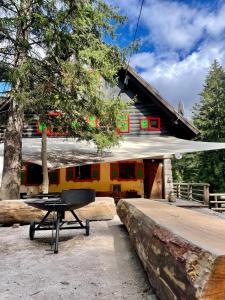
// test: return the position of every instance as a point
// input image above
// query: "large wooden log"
(182, 251)
(16, 211)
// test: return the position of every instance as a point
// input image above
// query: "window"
(126, 171)
(92, 121)
(33, 175)
(124, 123)
(53, 127)
(83, 173)
(150, 123)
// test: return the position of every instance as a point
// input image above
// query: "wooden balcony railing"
(192, 191)
(217, 202)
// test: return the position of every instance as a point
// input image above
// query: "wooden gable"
(148, 105)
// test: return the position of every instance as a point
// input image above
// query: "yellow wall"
(102, 185)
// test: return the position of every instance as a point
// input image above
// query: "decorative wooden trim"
(54, 113)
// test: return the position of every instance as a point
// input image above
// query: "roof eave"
(164, 102)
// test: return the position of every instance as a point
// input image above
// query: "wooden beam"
(183, 251)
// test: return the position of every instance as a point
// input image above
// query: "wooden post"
(190, 192)
(206, 194)
(178, 191)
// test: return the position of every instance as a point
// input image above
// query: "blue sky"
(180, 40)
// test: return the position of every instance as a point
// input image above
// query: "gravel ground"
(101, 266)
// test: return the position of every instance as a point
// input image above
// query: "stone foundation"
(182, 251)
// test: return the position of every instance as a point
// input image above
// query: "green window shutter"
(123, 126)
(69, 174)
(144, 123)
(140, 170)
(54, 177)
(41, 126)
(124, 117)
(96, 172)
(123, 123)
(22, 177)
(114, 171)
(74, 124)
(92, 121)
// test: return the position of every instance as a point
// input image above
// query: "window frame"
(96, 121)
(137, 163)
(149, 128)
(93, 166)
(49, 132)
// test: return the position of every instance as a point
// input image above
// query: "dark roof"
(169, 108)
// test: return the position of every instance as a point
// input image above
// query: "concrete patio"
(101, 266)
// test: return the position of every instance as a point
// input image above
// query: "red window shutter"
(139, 170)
(114, 171)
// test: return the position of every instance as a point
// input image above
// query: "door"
(153, 181)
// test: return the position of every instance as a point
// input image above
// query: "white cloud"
(181, 80)
(185, 38)
(172, 24)
(143, 60)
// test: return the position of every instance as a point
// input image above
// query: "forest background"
(209, 117)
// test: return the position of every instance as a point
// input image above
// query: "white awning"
(64, 152)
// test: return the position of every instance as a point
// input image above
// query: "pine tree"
(54, 57)
(208, 117)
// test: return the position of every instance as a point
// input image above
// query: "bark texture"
(12, 153)
(45, 182)
(10, 186)
(182, 251)
(16, 211)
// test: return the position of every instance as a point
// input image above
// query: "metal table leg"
(57, 232)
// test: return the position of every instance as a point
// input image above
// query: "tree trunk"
(10, 188)
(44, 160)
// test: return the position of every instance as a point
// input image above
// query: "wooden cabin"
(150, 115)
